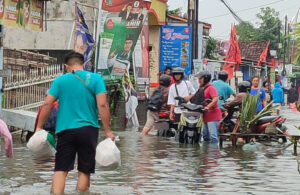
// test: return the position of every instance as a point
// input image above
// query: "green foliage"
(268, 28)
(211, 47)
(248, 115)
(297, 35)
(174, 11)
(247, 32)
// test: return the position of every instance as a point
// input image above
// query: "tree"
(268, 28)
(247, 32)
(210, 49)
(297, 39)
(174, 11)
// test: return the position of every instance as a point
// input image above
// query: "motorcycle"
(230, 116)
(165, 127)
(228, 122)
(187, 124)
(189, 127)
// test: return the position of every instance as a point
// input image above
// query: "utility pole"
(284, 47)
(196, 29)
(189, 12)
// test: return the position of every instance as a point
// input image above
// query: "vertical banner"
(84, 41)
(11, 13)
(23, 10)
(141, 63)
(176, 47)
(122, 21)
(36, 15)
(22, 13)
(2, 8)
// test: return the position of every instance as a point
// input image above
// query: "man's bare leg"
(145, 130)
(58, 182)
(83, 182)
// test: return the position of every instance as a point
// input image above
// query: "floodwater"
(154, 165)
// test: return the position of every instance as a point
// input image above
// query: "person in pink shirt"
(212, 113)
(7, 139)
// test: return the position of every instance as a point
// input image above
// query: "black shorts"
(81, 141)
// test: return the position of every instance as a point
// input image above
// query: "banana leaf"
(248, 115)
(264, 112)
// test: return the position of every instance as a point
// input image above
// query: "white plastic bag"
(108, 155)
(39, 145)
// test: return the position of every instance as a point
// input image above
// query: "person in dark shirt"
(152, 116)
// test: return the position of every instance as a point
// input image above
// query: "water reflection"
(162, 166)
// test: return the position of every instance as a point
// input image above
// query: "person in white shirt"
(180, 88)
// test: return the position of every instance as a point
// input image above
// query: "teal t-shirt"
(224, 90)
(76, 105)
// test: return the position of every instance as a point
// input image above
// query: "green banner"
(120, 28)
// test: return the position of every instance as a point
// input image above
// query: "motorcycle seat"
(193, 107)
(266, 119)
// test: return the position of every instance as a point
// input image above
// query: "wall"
(158, 8)
(154, 41)
(60, 21)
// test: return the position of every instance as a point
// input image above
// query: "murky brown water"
(161, 166)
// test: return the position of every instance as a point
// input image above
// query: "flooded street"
(154, 165)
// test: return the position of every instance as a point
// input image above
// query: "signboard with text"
(176, 47)
(22, 13)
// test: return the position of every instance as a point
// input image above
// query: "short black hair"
(129, 37)
(255, 77)
(168, 68)
(73, 58)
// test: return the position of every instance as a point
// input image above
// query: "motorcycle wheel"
(181, 137)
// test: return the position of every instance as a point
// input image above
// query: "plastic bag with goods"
(108, 155)
(42, 145)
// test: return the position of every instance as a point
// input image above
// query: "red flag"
(233, 55)
(264, 54)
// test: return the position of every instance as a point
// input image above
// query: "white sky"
(221, 25)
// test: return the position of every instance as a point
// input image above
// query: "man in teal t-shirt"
(223, 88)
(82, 97)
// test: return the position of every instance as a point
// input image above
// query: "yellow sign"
(22, 13)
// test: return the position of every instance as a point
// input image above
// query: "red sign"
(110, 24)
(12, 16)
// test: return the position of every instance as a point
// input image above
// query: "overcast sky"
(209, 11)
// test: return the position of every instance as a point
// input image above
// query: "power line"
(232, 11)
(242, 10)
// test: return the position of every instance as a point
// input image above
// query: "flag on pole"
(264, 54)
(84, 41)
(233, 55)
